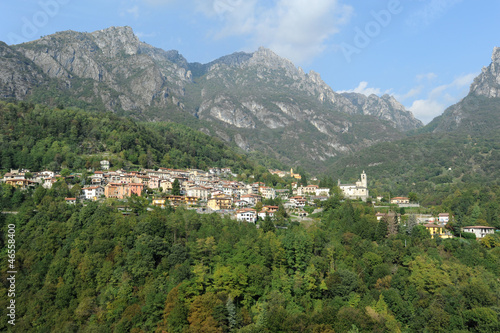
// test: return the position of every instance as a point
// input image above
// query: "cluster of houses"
(437, 226)
(210, 190)
(24, 179)
(197, 187)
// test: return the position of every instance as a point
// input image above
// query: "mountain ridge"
(457, 148)
(470, 114)
(258, 101)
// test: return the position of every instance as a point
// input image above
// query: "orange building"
(120, 191)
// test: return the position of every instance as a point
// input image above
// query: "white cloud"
(432, 11)
(411, 93)
(426, 76)
(458, 84)
(158, 2)
(426, 109)
(441, 97)
(134, 11)
(295, 29)
(363, 88)
(130, 11)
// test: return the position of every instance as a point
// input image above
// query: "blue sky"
(424, 52)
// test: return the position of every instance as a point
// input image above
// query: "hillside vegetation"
(36, 137)
(91, 269)
(437, 159)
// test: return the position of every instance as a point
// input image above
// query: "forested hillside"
(92, 269)
(36, 137)
(429, 164)
(458, 150)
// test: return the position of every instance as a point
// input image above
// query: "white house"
(262, 214)
(323, 192)
(92, 192)
(246, 214)
(479, 231)
(198, 192)
(444, 217)
(40, 176)
(70, 201)
(252, 199)
(267, 192)
(400, 200)
(240, 203)
(298, 202)
(307, 190)
(105, 165)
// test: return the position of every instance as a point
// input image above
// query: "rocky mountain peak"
(488, 82)
(480, 108)
(315, 77)
(271, 60)
(264, 98)
(115, 40)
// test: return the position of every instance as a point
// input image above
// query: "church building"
(356, 191)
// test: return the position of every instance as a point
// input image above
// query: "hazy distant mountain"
(259, 101)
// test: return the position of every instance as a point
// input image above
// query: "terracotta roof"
(246, 210)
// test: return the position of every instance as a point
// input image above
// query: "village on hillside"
(216, 191)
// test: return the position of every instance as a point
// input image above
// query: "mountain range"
(460, 147)
(259, 102)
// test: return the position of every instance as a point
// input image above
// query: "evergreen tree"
(176, 187)
(268, 225)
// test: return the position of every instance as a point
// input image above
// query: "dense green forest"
(36, 137)
(430, 164)
(92, 269)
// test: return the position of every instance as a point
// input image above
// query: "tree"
(411, 223)
(176, 187)
(413, 197)
(268, 225)
(65, 172)
(201, 314)
(303, 179)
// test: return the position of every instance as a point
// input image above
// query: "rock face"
(488, 82)
(480, 109)
(385, 107)
(259, 101)
(121, 71)
(18, 75)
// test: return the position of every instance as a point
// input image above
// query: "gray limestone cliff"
(488, 82)
(18, 75)
(385, 107)
(259, 101)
